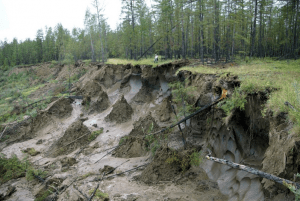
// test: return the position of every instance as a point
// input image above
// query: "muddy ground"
(123, 104)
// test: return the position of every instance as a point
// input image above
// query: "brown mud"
(129, 102)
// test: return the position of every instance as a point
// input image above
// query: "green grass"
(30, 90)
(149, 61)
(259, 75)
(95, 134)
(99, 194)
(12, 168)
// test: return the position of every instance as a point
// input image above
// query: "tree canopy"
(216, 29)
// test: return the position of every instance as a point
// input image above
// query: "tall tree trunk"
(260, 30)
(253, 34)
(201, 31)
(216, 32)
(92, 47)
(133, 25)
(99, 26)
(182, 34)
(295, 29)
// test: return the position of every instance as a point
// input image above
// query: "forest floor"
(67, 134)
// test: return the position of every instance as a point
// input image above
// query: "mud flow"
(100, 139)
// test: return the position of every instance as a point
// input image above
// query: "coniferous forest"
(216, 29)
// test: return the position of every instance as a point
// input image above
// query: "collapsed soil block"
(165, 166)
(121, 112)
(130, 147)
(76, 136)
(144, 125)
(164, 110)
(95, 98)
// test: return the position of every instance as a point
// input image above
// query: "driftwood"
(253, 171)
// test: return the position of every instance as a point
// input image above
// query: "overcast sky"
(22, 18)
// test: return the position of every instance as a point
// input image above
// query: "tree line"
(172, 28)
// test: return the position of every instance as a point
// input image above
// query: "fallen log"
(254, 171)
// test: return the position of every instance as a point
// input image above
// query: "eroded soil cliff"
(105, 129)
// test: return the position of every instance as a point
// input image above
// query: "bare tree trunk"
(99, 26)
(253, 31)
(260, 30)
(201, 32)
(92, 47)
(182, 34)
(216, 32)
(295, 30)
(133, 25)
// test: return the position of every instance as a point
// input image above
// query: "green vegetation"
(237, 100)
(180, 94)
(278, 79)
(42, 196)
(185, 160)
(32, 152)
(12, 168)
(293, 189)
(123, 140)
(5, 137)
(149, 61)
(95, 134)
(99, 194)
(85, 175)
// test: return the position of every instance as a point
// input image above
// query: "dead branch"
(126, 171)
(93, 194)
(84, 195)
(253, 171)
(105, 155)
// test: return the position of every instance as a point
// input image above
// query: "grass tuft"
(95, 134)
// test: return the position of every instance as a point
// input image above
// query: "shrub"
(237, 100)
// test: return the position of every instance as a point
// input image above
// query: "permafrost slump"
(125, 101)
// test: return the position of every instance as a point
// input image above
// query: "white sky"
(22, 18)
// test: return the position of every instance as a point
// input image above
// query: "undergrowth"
(185, 161)
(12, 168)
(237, 100)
